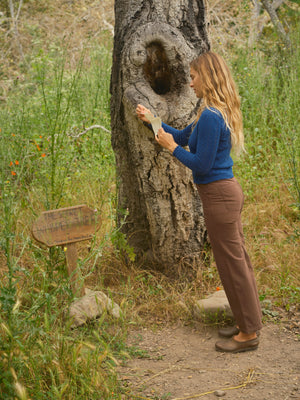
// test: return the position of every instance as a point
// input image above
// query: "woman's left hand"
(166, 140)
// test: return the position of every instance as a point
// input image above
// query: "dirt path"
(181, 363)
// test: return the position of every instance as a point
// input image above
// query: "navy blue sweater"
(209, 143)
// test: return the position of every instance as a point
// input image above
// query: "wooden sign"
(65, 225)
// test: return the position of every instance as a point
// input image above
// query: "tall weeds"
(269, 172)
(269, 87)
(47, 161)
(45, 164)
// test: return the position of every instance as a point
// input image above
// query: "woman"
(217, 129)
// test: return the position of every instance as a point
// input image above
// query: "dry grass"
(45, 25)
(271, 233)
(45, 355)
(269, 222)
(229, 23)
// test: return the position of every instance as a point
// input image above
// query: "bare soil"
(180, 362)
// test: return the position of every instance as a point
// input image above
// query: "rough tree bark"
(153, 44)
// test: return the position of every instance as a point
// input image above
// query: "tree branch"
(14, 19)
(254, 27)
(19, 9)
(270, 8)
(88, 129)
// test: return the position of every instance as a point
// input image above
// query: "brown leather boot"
(233, 346)
(229, 331)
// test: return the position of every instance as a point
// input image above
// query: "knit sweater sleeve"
(181, 137)
(203, 145)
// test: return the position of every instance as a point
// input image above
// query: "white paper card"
(154, 121)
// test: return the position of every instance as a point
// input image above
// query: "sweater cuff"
(176, 151)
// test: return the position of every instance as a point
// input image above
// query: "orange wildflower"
(13, 173)
(43, 155)
(17, 162)
(11, 163)
(218, 288)
(37, 146)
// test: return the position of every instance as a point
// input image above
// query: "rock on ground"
(91, 306)
(215, 304)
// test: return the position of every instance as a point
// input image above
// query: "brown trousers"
(222, 205)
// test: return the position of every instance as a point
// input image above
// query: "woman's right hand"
(141, 111)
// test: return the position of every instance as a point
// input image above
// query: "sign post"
(66, 227)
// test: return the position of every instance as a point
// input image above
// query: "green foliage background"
(49, 160)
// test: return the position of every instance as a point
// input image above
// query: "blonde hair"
(220, 92)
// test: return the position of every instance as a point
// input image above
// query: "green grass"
(45, 166)
(45, 163)
(269, 88)
(269, 172)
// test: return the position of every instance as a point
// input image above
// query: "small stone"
(91, 306)
(219, 393)
(215, 304)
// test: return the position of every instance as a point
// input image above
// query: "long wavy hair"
(220, 92)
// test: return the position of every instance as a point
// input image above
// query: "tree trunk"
(154, 42)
